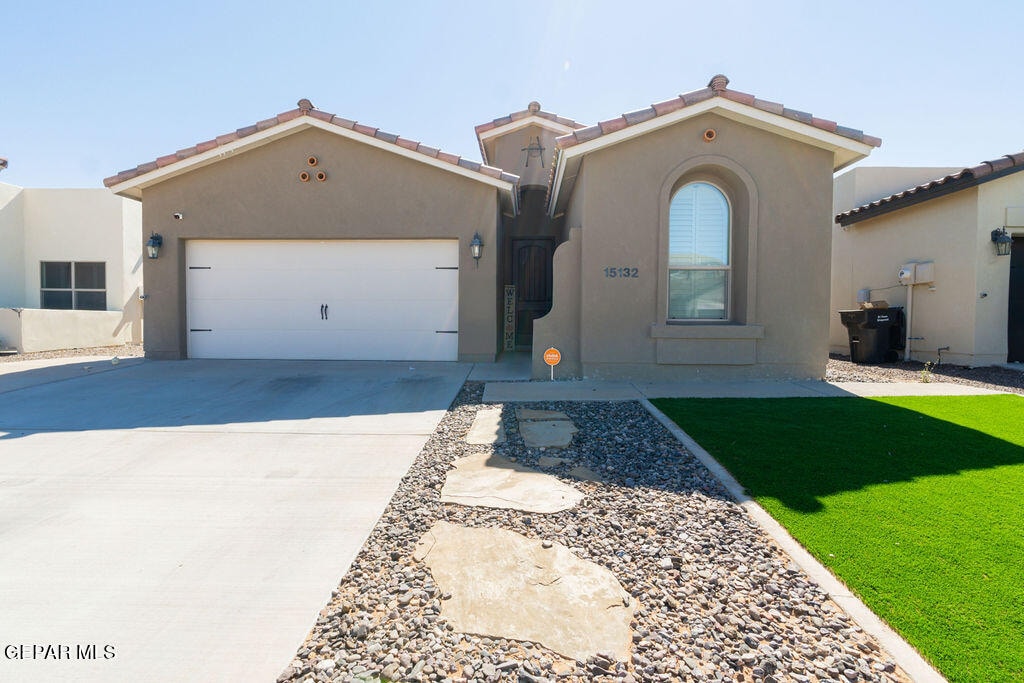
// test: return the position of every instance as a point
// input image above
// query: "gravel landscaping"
(716, 599)
(121, 351)
(841, 369)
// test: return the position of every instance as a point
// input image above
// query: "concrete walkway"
(599, 390)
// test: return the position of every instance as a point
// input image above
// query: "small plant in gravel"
(926, 372)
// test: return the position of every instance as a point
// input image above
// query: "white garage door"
(336, 300)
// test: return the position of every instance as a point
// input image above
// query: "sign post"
(552, 357)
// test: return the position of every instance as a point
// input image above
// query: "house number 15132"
(612, 271)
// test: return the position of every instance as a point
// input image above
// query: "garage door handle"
(326, 309)
(321, 311)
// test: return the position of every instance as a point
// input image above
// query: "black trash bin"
(876, 334)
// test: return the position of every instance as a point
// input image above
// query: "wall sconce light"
(1002, 241)
(153, 245)
(476, 248)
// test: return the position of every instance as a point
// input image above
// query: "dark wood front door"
(531, 275)
(1015, 320)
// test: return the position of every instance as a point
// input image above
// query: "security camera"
(177, 216)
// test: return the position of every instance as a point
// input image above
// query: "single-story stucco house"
(683, 240)
(943, 228)
(70, 269)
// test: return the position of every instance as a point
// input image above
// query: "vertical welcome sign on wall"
(510, 318)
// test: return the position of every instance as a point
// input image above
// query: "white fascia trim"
(523, 123)
(556, 186)
(133, 187)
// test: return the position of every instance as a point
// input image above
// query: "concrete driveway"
(169, 521)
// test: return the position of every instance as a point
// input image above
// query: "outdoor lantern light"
(476, 247)
(1002, 241)
(153, 245)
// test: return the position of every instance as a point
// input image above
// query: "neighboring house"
(967, 307)
(678, 241)
(70, 268)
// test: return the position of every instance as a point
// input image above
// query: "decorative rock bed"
(714, 598)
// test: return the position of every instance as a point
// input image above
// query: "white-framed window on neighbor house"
(78, 285)
(699, 270)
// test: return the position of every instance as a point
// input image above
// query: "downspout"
(910, 311)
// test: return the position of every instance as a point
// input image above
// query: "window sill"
(697, 330)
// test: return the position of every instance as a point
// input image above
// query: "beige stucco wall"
(12, 246)
(506, 152)
(560, 329)
(965, 309)
(33, 329)
(369, 194)
(83, 225)
(39, 225)
(780, 193)
(869, 254)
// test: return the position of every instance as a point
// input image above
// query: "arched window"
(698, 253)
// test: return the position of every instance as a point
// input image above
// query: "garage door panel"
(269, 314)
(339, 344)
(369, 315)
(356, 254)
(237, 283)
(387, 300)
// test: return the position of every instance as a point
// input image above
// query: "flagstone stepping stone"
(487, 428)
(485, 480)
(504, 585)
(547, 433)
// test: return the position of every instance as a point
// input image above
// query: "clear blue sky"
(90, 89)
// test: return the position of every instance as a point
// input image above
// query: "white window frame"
(727, 268)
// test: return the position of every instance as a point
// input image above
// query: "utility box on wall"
(916, 273)
(924, 273)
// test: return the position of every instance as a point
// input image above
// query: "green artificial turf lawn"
(915, 502)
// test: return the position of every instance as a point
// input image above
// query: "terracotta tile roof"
(716, 88)
(305, 108)
(954, 182)
(533, 109)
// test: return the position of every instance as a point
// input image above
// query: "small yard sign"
(552, 357)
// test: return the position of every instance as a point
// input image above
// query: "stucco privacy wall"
(34, 329)
(780, 195)
(12, 253)
(369, 194)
